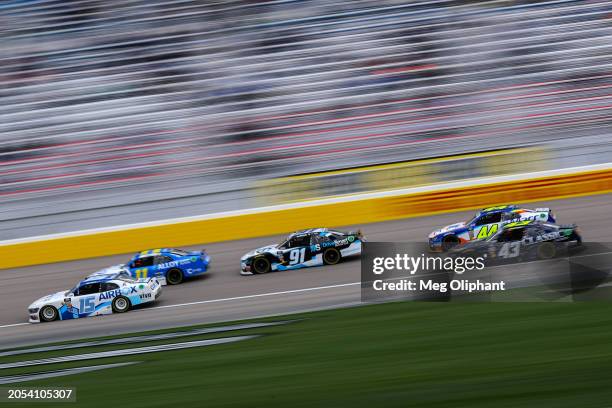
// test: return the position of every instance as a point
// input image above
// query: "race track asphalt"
(222, 294)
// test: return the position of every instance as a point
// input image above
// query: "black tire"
(121, 304)
(261, 265)
(174, 277)
(48, 314)
(331, 256)
(576, 237)
(546, 250)
(449, 242)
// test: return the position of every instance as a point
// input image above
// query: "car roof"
(95, 279)
(153, 252)
(308, 232)
(498, 208)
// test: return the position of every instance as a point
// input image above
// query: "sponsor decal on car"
(110, 295)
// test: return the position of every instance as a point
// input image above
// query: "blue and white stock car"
(312, 247)
(94, 296)
(169, 265)
(484, 224)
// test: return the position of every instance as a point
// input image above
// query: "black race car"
(312, 247)
(523, 241)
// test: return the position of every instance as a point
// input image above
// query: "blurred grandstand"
(117, 102)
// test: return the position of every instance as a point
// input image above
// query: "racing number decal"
(297, 256)
(88, 304)
(142, 273)
(485, 231)
(510, 250)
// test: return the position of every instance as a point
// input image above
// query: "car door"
(142, 267)
(297, 252)
(485, 225)
(86, 299)
(509, 243)
(161, 263)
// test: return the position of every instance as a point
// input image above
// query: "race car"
(311, 247)
(484, 224)
(94, 296)
(169, 265)
(523, 241)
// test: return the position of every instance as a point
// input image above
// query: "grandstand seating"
(98, 93)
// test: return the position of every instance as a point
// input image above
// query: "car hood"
(448, 228)
(267, 248)
(45, 300)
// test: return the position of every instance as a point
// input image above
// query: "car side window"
(106, 286)
(510, 216)
(300, 241)
(89, 289)
(160, 259)
(488, 219)
(142, 262)
(318, 239)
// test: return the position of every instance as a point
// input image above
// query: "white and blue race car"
(94, 296)
(311, 247)
(484, 224)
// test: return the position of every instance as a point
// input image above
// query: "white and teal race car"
(311, 247)
(94, 296)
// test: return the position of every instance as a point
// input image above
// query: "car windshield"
(471, 220)
(284, 242)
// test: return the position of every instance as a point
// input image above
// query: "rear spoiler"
(358, 233)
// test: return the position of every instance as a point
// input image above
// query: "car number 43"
(510, 250)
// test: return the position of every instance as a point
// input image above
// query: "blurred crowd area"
(96, 93)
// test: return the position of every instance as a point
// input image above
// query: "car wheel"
(174, 276)
(261, 265)
(48, 314)
(546, 250)
(576, 237)
(121, 304)
(331, 256)
(449, 242)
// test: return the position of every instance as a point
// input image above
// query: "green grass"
(393, 355)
